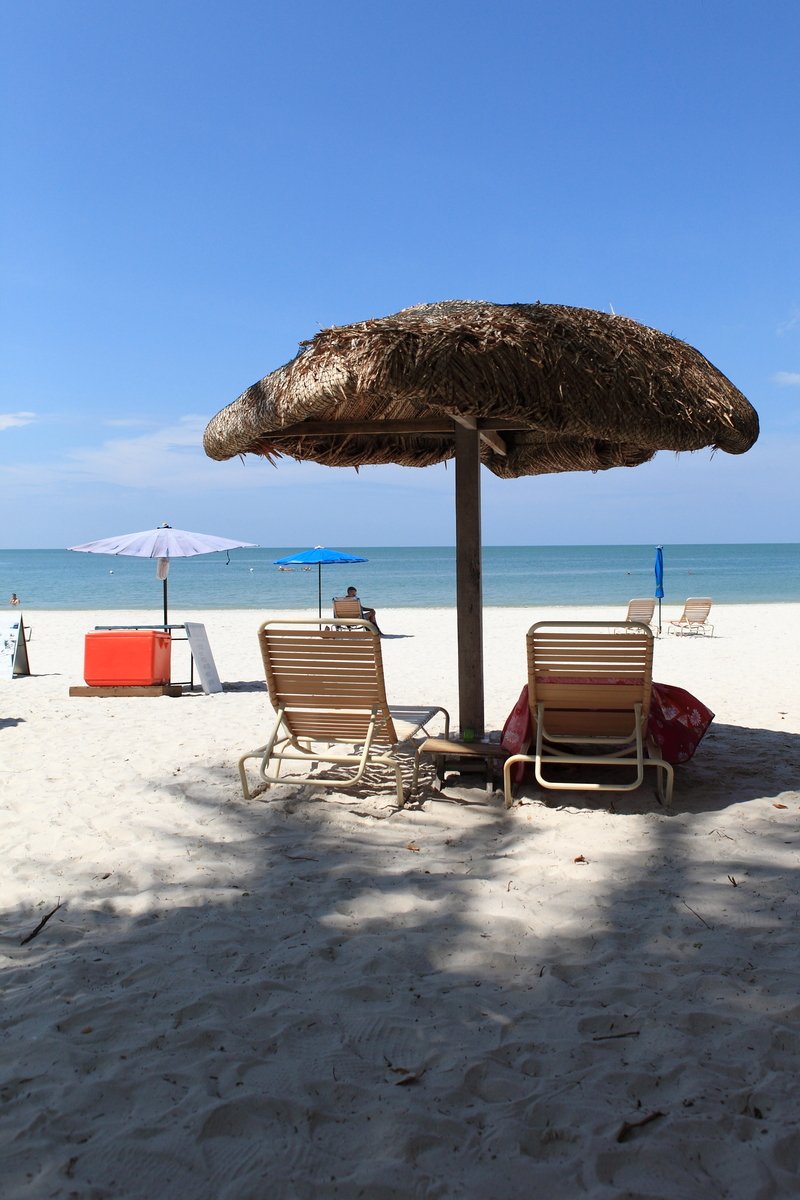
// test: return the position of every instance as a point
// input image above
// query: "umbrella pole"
(319, 589)
(469, 593)
(659, 616)
(165, 602)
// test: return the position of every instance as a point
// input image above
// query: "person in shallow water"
(13, 599)
(368, 613)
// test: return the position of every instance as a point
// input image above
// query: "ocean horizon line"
(407, 577)
(451, 546)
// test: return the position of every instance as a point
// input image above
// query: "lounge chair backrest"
(641, 610)
(696, 609)
(327, 682)
(694, 618)
(589, 685)
(347, 606)
(590, 675)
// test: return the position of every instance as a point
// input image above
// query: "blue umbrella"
(318, 555)
(659, 569)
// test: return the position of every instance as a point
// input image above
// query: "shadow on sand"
(351, 1001)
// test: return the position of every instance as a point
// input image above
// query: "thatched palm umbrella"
(524, 389)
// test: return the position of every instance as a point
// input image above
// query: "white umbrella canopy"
(162, 543)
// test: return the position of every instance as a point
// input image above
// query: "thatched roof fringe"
(582, 390)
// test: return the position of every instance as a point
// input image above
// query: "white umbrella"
(163, 544)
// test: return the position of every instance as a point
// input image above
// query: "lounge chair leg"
(414, 778)
(248, 795)
(508, 786)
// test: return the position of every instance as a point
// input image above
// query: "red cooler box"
(127, 658)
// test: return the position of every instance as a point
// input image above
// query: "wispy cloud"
(787, 378)
(127, 423)
(791, 322)
(173, 457)
(170, 457)
(171, 461)
(14, 420)
(172, 454)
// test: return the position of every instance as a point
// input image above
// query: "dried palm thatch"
(551, 388)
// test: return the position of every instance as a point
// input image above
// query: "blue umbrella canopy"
(659, 571)
(317, 556)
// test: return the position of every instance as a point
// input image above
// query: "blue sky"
(193, 188)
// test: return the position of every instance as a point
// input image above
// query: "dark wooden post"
(469, 591)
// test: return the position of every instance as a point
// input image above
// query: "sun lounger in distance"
(694, 618)
(347, 607)
(641, 610)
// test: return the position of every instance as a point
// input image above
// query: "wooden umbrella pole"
(469, 592)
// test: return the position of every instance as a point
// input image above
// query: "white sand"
(320, 996)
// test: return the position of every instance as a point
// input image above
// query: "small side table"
(453, 748)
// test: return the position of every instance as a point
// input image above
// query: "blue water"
(403, 577)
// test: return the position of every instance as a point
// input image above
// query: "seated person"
(367, 613)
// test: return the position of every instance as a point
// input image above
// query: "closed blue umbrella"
(659, 570)
(318, 556)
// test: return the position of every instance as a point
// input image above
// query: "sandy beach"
(314, 994)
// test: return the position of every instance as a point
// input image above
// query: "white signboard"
(203, 658)
(13, 648)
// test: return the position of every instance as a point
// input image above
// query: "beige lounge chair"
(327, 689)
(346, 608)
(694, 618)
(589, 694)
(641, 610)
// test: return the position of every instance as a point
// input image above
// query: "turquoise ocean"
(404, 577)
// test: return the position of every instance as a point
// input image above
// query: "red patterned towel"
(677, 722)
(517, 734)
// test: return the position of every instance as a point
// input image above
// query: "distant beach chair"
(641, 610)
(346, 608)
(327, 689)
(589, 687)
(694, 618)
